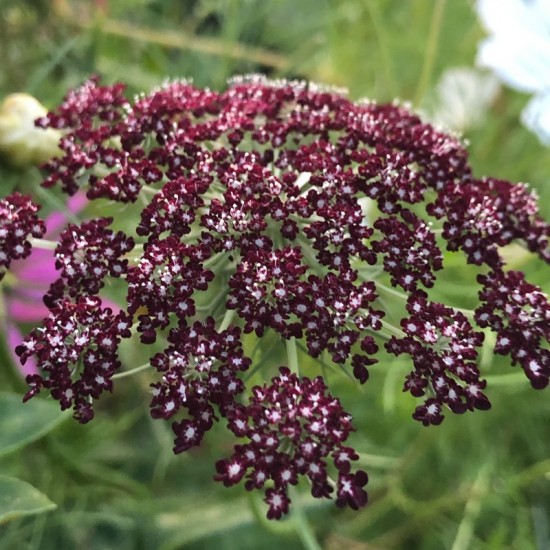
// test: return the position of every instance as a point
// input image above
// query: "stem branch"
(292, 356)
(43, 244)
(132, 371)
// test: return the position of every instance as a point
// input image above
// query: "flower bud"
(21, 142)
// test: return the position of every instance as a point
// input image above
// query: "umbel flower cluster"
(286, 211)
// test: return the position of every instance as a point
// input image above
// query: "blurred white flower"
(518, 51)
(462, 97)
(21, 142)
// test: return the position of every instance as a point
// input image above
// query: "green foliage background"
(477, 481)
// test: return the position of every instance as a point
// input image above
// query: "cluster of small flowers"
(294, 205)
(199, 369)
(18, 224)
(268, 291)
(77, 336)
(86, 254)
(292, 426)
(519, 313)
(442, 345)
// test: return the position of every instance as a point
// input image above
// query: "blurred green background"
(479, 481)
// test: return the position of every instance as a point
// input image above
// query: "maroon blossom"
(199, 369)
(163, 283)
(443, 347)
(89, 253)
(293, 427)
(174, 208)
(409, 250)
(89, 117)
(269, 290)
(519, 313)
(18, 223)
(304, 213)
(80, 338)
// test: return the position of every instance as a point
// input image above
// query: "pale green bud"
(21, 142)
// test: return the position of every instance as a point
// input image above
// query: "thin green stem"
(393, 330)
(130, 372)
(472, 509)
(393, 292)
(369, 273)
(213, 260)
(43, 244)
(226, 321)
(148, 190)
(257, 365)
(529, 475)
(308, 253)
(201, 44)
(54, 202)
(214, 302)
(377, 461)
(431, 51)
(380, 31)
(292, 356)
(302, 526)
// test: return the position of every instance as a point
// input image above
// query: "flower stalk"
(292, 356)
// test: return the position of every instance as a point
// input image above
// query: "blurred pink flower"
(32, 278)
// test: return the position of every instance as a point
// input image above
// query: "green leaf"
(21, 423)
(18, 499)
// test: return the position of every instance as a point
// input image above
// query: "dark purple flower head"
(409, 250)
(443, 347)
(88, 253)
(295, 215)
(520, 315)
(199, 370)
(90, 116)
(294, 427)
(163, 282)
(18, 223)
(270, 290)
(76, 349)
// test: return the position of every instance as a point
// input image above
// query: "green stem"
(292, 356)
(43, 244)
(148, 190)
(213, 260)
(472, 509)
(226, 321)
(130, 372)
(54, 202)
(377, 461)
(177, 39)
(392, 292)
(380, 32)
(370, 273)
(529, 475)
(393, 330)
(431, 50)
(214, 302)
(303, 527)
